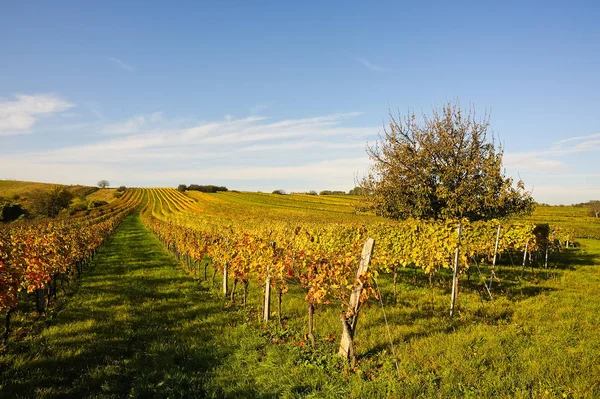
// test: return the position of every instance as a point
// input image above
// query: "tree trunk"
(348, 336)
(41, 300)
(245, 292)
(78, 267)
(279, 295)
(53, 285)
(311, 314)
(232, 295)
(395, 285)
(432, 293)
(524, 259)
(7, 324)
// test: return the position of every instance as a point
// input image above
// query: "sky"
(285, 95)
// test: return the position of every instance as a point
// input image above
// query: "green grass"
(138, 326)
(572, 217)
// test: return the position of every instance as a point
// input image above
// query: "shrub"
(206, 189)
(50, 203)
(11, 211)
(78, 205)
(97, 204)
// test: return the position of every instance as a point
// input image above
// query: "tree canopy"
(594, 207)
(50, 203)
(103, 184)
(441, 166)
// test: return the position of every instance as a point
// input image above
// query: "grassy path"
(137, 327)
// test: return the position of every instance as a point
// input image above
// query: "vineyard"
(36, 255)
(346, 303)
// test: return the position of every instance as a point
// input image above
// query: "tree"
(594, 207)
(182, 187)
(50, 203)
(354, 191)
(103, 184)
(11, 211)
(442, 166)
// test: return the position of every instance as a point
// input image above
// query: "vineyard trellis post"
(455, 273)
(267, 304)
(225, 267)
(350, 317)
(524, 258)
(493, 274)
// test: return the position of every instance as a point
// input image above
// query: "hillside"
(20, 190)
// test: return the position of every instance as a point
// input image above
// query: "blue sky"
(270, 95)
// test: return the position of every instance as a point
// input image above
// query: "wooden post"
(225, 279)
(455, 274)
(267, 303)
(493, 274)
(546, 257)
(350, 318)
(524, 258)
(267, 299)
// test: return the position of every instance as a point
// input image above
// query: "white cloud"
(135, 124)
(18, 116)
(532, 161)
(548, 159)
(578, 138)
(122, 64)
(371, 66)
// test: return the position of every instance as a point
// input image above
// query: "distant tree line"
(354, 191)
(330, 192)
(204, 189)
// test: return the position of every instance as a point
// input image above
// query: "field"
(147, 320)
(105, 194)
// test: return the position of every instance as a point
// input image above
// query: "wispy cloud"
(122, 64)
(258, 108)
(533, 162)
(319, 152)
(18, 116)
(551, 159)
(371, 66)
(135, 124)
(579, 138)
